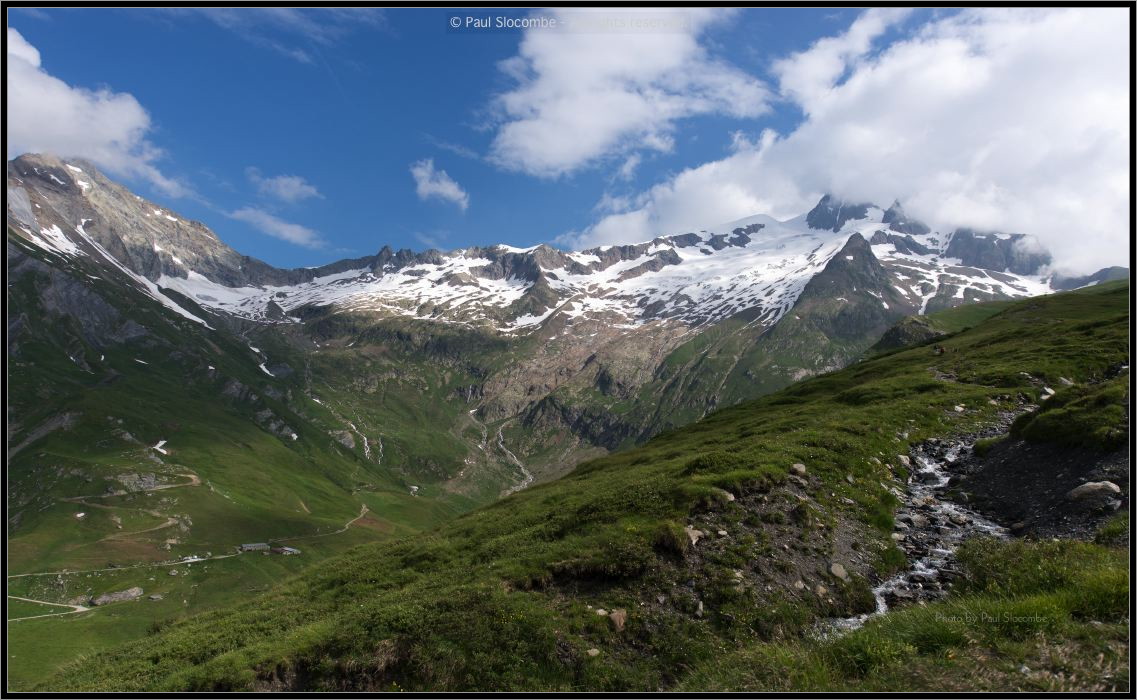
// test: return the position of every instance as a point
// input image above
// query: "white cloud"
(287, 188)
(291, 31)
(1004, 119)
(807, 76)
(584, 96)
(627, 170)
(436, 183)
(46, 115)
(278, 228)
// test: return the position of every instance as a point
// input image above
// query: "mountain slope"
(507, 597)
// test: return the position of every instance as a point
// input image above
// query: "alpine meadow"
(568, 350)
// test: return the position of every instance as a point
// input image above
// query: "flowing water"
(928, 529)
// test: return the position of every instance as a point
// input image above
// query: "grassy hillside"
(108, 477)
(507, 597)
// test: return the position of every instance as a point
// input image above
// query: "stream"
(928, 529)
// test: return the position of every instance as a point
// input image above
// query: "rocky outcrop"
(1016, 253)
(909, 332)
(106, 598)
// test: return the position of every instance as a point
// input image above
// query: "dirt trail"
(349, 523)
(74, 609)
(68, 572)
(194, 480)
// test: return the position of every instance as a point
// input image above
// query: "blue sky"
(296, 135)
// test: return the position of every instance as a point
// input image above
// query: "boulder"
(839, 571)
(904, 460)
(727, 495)
(618, 618)
(798, 469)
(117, 597)
(1093, 490)
(693, 535)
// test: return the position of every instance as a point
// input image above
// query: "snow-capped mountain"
(756, 266)
(560, 354)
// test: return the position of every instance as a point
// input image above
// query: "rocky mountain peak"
(831, 213)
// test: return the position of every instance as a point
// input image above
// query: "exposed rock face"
(832, 213)
(990, 251)
(129, 594)
(899, 222)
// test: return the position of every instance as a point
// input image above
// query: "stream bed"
(928, 529)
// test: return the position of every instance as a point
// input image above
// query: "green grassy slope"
(91, 393)
(1028, 616)
(505, 597)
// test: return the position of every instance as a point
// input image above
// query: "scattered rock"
(904, 460)
(722, 533)
(1065, 382)
(726, 494)
(601, 612)
(699, 609)
(593, 652)
(849, 478)
(155, 596)
(960, 409)
(799, 585)
(839, 571)
(821, 590)
(798, 469)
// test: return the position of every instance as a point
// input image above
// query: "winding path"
(74, 609)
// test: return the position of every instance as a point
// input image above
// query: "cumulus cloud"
(278, 228)
(807, 76)
(286, 188)
(584, 96)
(46, 115)
(998, 119)
(437, 184)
